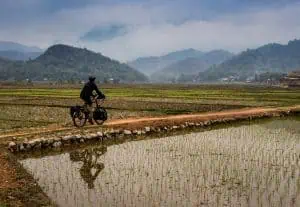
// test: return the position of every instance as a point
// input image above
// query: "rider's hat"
(92, 78)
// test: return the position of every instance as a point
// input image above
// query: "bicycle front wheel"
(100, 115)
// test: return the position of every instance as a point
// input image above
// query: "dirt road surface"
(133, 123)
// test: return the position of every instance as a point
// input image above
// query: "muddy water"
(252, 165)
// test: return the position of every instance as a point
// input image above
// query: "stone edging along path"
(142, 126)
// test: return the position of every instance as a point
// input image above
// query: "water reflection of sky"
(256, 165)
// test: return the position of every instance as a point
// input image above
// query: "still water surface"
(251, 165)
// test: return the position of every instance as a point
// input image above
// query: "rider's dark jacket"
(87, 92)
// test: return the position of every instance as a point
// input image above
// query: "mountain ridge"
(13, 46)
(272, 57)
(149, 65)
(16, 55)
(190, 66)
(64, 62)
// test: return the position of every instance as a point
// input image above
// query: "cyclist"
(87, 94)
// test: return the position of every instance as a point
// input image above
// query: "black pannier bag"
(74, 109)
(100, 114)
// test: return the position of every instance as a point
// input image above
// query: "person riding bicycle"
(87, 94)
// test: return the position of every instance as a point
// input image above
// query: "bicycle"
(79, 114)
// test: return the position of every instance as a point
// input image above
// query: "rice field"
(40, 106)
(251, 165)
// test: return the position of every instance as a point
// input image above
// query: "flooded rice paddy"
(250, 165)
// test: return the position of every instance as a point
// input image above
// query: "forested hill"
(191, 66)
(16, 55)
(63, 62)
(268, 58)
(150, 65)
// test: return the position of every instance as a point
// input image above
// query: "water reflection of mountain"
(90, 168)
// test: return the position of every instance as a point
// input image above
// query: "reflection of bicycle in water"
(90, 168)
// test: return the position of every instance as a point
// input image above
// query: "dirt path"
(139, 122)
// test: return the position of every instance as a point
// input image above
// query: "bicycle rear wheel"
(79, 118)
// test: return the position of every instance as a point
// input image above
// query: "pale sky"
(127, 29)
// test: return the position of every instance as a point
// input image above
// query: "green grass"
(37, 106)
(239, 94)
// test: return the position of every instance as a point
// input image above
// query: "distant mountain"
(12, 46)
(149, 65)
(191, 66)
(62, 62)
(269, 58)
(4, 62)
(16, 55)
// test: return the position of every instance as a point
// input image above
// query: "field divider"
(172, 124)
(174, 120)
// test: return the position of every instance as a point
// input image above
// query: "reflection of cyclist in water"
(89, 157)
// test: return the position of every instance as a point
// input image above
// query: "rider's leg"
(89, 109)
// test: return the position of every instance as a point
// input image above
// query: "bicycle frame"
(98, 102)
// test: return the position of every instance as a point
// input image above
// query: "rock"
(191, 124)
(78, 137)
(81, 140)
(127, 132)
(175, 127)
(27, 146)
(88, 137)
(12, 146)
(38, 145)
(147, 129)
(50, 141)
(94, 136)
(31, 143)
(206, 123)
(22, 148)
(117, 131)
(43, 140)
(57, 139)
(57, 144)
(67, 138)
(139, 132)
(34, 142)
(108, 135)
(100, 134)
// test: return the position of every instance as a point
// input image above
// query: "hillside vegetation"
(150, 65)
(62, 62)
(269, 58)
(190, 67)
(16, 55)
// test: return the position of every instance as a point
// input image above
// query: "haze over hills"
(268, 58)
(16, 51)
(13, 46)
(16, 55)
(63, 62)
(149, 65)
(191, 66)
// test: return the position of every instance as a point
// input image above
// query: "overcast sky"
(127, 29)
